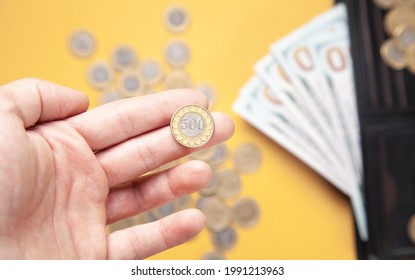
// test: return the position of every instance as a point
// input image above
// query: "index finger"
(118, 121)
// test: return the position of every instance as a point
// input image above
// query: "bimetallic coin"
(225, 239)
(82, 43)
(201, 202)
(177, 79)
(124, 58)
(131, 84)
(393, 55)
(411, 228)
(411, 59)
(405, 36)
(397, 16)
(151, 71)
(247, 158)
(384, 4)
(229, 183)
(213, 256)
(100, 75)
(246, 212)
(192, 126)
(209, 92)
(177, 54)
(212, 187)
(218, 215)
(176, 19)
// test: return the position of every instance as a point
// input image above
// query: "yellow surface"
(302, 216)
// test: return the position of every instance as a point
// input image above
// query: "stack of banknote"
(303, 97)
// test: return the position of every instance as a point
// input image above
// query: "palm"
(57, 193)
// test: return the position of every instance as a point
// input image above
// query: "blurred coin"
(393, 55)
(411, 59)
(131, 84)
(212, 187)
(385, 4)
(124, 58)
(109, 96)
(405, 36)
(205, 155)
(209, 92)
(411, 228)
(176, 19)
(100, 75)
(230, 183)
(151, 71)
(165, 210)
(177, 79)
(218, 215)
(192, 125)
(246, 212)
(201, 202)
(213, 256)
(220, 154)
(119, 225)
(177, 54)
(182, 203)
(397, 16)
(247, 157)
(82, 43)
(225, 239)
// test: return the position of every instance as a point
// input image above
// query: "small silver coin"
(124, 58)
(82, 43)
(177, 54)
(151, 71)
(131, 84)
(100, 75)
(176, 19)
(225, 239)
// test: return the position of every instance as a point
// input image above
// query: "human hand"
(60, 166)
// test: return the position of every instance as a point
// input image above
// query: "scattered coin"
(177, 54)
(176, 19)
(209, 92)
(247, 158)
(246, 212)
(230, 183)
(100, 75)
(411, 228)
(151, 71)
(131, 84)
(405, 36)
(220, 154)
(212, 187)
(177, 79)
(192, 125)
(225, 239)
(124, 58)
(218, 215)
(397, 16)
(213, 256)
(393, 55)
(82, 43)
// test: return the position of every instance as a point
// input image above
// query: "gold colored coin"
(218, 215)
(151, 71)
(411, 59)
(397, 16)
(192, 126)
(229, 183)
(246, 212)
(177, 79)
(405, 36)
(393, 55)
(411, 228)
(131, 84)
(220, 154)
(177, 54)
(247, 158)
(176, 19)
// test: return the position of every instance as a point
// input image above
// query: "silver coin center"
(125, 57)
(177, 18)
(192, 124)
(131, 83)
(100, 74)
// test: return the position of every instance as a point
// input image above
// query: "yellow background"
(302, 216)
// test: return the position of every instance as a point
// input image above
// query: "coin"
(177, 54)
(246, 212)
(151, 71)
(124, 58)
(247, 157)
(206, 155)
(411, 59)
(405, 36)
(100, 75)
(230, 183)
(213, 256)
(201, 202)
(411, 228)
(109, 96)
(220, 154)
(182, 202)
(131, 84)
(393, 55)
(82, 43)
(192, 125)
(384, 4)
(209, 92)
(218, 215)
(212, 187)
(397, 16)
(225, 239)
(176, 19)
(177, 79)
